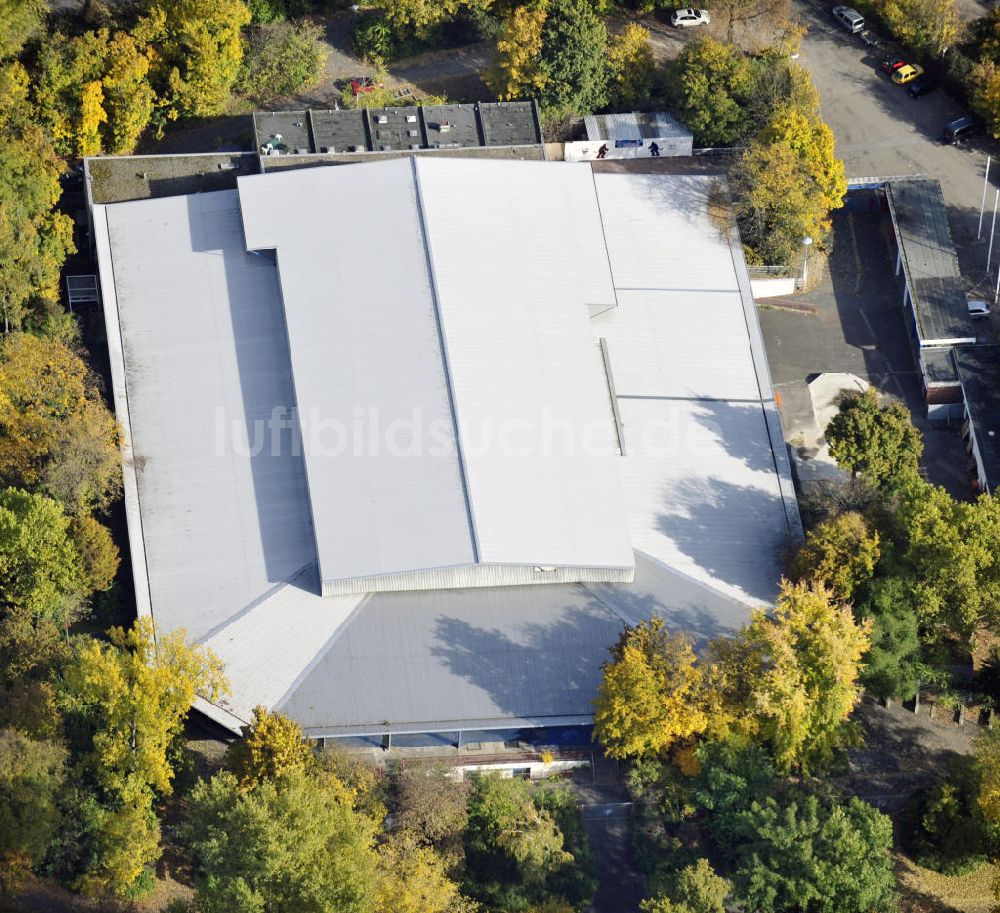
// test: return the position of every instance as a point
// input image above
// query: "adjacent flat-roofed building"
(407, 443)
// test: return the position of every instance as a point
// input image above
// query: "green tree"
(651, 694)
(943, 828)
(874, 440)
(22, 20)
(840, 553)
(272, 745)
(696, 889)
(892, 666)
(809, 855)
(810, 651)
(573, 58)
(133, 695)
(285, 846)
(281, 59)
(32, 774)
(950, 548)
(711, 82)
(40, 573)
(515, 849)
(56, 434)
(35, 239)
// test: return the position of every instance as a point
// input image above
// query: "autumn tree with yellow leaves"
(518, 74)
(632, 74)
(808, 653)
(134, 693)
(272, 745)
(651, 696)
(56, 434)
(841, 553)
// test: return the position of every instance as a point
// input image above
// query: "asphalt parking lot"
(852, 322)
(880, 130)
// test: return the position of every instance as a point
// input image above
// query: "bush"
(280, 60)
(263, 12)
(942, 827)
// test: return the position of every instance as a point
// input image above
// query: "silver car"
(680, 19)
(849, 18)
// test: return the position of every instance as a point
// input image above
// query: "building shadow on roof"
(533, 670)
(735, 533)
(740, 428)
(274, 451)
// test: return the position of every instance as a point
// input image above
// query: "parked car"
(907, 73)
(922, 85)
(978, 309)
(849, 18)
(959, 129)
(680, 19)
(891, 64)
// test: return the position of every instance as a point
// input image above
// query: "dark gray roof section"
(396, 128)
(119, 178)
(929, 258)
(505, 153)
(510, 123)
(340, 131)
(451, 125)
(291, 126)
(979, 371)
(938, 365)
(354, 131)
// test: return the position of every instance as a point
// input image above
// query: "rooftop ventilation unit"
(411, 118)
(386, 147)
(301, 151)
(444, 126)
(413, 132)
(382, 119)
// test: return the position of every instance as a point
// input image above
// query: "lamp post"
(806, 243)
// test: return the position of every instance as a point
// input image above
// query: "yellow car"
(907, 73)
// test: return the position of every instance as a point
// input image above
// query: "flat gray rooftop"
(118, 178)
(979, 371)
(339, 131)
(396, 128)
(451, 125)
(291, 126)
(929, 259)
(938, 364)
(510, 123)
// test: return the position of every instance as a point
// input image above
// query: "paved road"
(880, 130)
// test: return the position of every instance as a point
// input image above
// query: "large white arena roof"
(602, 321)
(397, 310)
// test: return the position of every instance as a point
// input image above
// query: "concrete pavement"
(880, 130)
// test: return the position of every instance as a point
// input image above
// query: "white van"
(849, 18)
